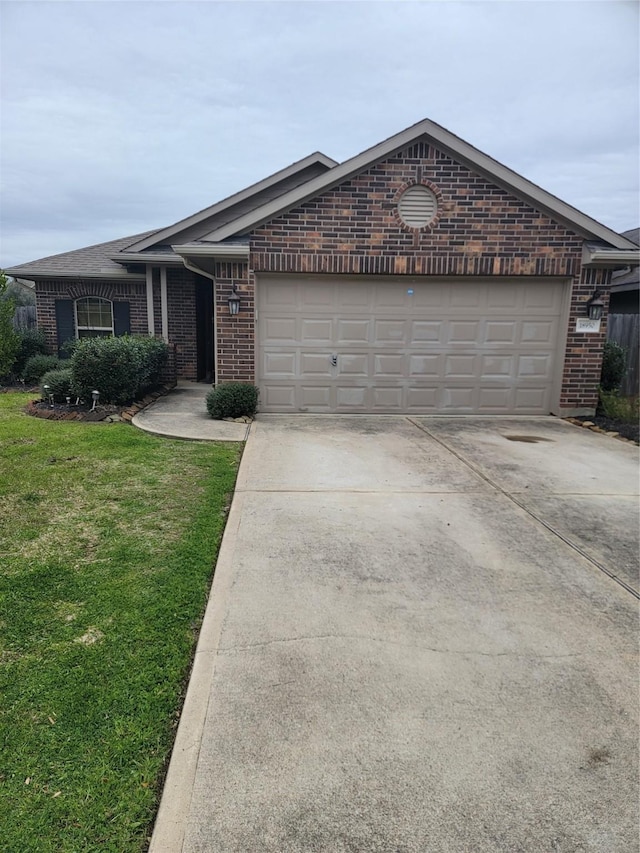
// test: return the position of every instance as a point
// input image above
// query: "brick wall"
(117, 291)
(235, 336)
(480, 230)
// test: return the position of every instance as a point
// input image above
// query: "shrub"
(614, 366)
(119, 368)
(59, 382)
(625, 409)
(31, 342)
(37, 366)
(232, 400)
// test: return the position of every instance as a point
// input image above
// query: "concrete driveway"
(413, 644)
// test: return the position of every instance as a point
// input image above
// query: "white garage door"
(418, 346)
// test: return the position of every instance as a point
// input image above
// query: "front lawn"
(108, 537)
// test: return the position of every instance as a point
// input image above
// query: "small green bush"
(37, 366)
(232, 400)
(31, 342)
(59, 382)
(121, 369)
(625, 409)
(614, 366)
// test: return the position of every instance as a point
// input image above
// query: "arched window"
(94, 317)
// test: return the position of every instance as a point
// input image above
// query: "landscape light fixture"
(595, 306)
(95, 395)
(234, 302)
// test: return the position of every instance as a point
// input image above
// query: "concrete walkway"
(410, 647)
(182, 413)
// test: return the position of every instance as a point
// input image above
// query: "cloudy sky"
(118, 117)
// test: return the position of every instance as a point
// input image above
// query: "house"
(420, 276)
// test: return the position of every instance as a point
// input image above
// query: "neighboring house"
(420, 276)
(624, 317)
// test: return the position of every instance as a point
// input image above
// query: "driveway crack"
(383, 640)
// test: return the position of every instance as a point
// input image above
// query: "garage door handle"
(334, 360)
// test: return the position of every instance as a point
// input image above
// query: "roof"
(91, 261)
(454, 146)
(244, 211)
(627, 279)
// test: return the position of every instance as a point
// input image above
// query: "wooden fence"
(25, 317)
(624, 330)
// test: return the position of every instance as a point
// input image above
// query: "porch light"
(234, 302)
(95, 396)
(595, 306)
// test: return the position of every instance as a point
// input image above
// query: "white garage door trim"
(357, 344)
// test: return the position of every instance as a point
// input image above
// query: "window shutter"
(121, 319)
(64, 324)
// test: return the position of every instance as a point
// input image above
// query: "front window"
(94, 317)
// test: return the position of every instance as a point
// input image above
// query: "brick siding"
(480, 230)
(117, 291)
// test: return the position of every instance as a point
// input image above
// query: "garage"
(398, 344)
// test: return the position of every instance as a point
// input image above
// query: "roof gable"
(238, 204)
(455, 147)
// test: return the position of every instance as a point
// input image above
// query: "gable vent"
(417, 206)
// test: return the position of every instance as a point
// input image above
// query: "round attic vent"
(417, 206)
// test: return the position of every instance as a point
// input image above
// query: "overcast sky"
(119, 117)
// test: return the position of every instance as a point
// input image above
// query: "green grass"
(108, 537)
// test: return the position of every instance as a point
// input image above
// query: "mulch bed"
(83, 411)
(629, 431)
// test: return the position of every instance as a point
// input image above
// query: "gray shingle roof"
(625, 279)
(91, 260)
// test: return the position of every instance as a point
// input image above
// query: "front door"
(204, 329)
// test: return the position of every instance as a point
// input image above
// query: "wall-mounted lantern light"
(595, 306)
(234, 302)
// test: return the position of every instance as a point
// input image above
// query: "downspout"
(164, 310)
(150, 318)
(198, 271)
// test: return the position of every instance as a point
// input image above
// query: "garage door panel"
(497, 366)
(461, 399)
(354, 365)
(315, 364)
(278, 398)
(462, 332)
(534, 365)
(426, 365)
(386, 364)
(281, 329)
(349, 397)
(353, 332)
(387, 399)
(316, 331)
(460, 366)
(389, 332)
(319, 296)
(501, 332)
(401, 345)
(531, 399)
(423, 331)
(316, 397)
(495, 400)
(538, 331)
(279, 364)
(500, 297)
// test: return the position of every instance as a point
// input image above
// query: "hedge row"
(122, 369)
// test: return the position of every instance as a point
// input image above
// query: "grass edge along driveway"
(108, 538)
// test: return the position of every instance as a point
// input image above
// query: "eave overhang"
(605, 258)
